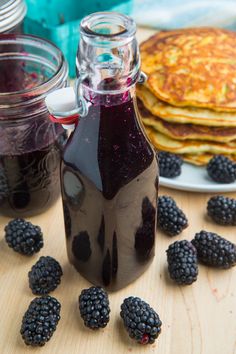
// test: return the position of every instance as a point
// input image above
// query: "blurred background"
(59, 21)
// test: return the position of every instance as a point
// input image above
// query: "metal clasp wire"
(81, 105)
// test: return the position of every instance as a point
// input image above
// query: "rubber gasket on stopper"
(66, 121)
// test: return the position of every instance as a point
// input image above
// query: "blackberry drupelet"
(140, 320)
(170, 218)
(214, 250)
(40, 320)
(182, 262)
(23, 237)
(44, 276)
(169, 164)
(222, 210)
(221, 169)
(94, 307)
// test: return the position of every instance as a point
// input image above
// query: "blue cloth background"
(170, 14)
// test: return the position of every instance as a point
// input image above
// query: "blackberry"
(40, 320)
(221, 169)
(140, 320)
(44, 276)
(170, 218)
(23, 237)
(169, 164)
(214, 250)
(182, 262)
(94, 307)
(222, 210)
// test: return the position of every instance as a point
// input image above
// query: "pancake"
(185, 131)
(165, 143)
(202, 159)
(192, 67)
(184, 115)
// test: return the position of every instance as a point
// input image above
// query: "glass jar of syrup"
(30, 144)
(109, 172)
(12, 13)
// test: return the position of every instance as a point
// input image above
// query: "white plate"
(195, 179)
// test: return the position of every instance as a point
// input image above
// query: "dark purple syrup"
(30, 145)
(109, 181)
(29, 166)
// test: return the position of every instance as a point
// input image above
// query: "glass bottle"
(109, 169)
(30, 144)
(12, 13)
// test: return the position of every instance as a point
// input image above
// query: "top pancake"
(192, 67)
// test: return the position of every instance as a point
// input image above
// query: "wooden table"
(197, 319)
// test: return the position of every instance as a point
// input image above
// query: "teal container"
(59, 21)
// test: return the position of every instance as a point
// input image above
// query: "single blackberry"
(140, 320)
(94, 307)
(182, 262)
(23, 236)
(214, 250)
(169, 164)
(44, 276)
(40, 320)
(222, 210)
(221, 169)
(170, 218)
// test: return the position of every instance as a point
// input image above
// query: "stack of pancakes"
(188, 104)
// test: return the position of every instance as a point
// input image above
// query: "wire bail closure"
(67, 105)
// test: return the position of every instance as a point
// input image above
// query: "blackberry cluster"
(94, 307)
(182, 262)
(214, 250)
(169, 164)
(170, 218)
(221, 169)
(140, 320)
(40, 320)
(222, 210)
(44, 276)
(23, 236)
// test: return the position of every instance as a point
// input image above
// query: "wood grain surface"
(197, 319)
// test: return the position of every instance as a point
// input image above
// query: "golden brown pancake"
(192, 67)
(202, 159)
(165, 143)
(186, 131)
(184, 115)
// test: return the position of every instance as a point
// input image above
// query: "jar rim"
(47, 54)
(21, 39)
(12, 12)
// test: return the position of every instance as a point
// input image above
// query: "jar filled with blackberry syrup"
(12, 13)
(30, 144)
(109, 173)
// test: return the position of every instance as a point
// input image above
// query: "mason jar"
(30, 144)
(12, 13)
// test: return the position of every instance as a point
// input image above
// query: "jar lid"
(12, 12)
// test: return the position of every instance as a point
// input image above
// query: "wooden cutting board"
(197, 319)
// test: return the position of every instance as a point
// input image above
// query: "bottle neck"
(107, 99)
(108, 60)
